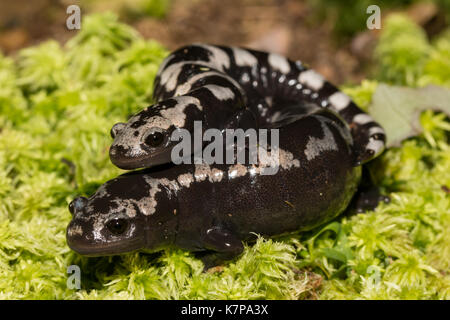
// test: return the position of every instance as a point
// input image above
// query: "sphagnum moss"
(56, 107)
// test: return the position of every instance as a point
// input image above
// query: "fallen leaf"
(398, 109)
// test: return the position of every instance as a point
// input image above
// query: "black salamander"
(230, 87)
(201, 207)
(213, 208)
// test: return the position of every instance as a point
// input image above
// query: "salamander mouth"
(145, 161)
(84, 248)
(87, 246)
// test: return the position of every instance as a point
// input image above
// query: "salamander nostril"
(77, 204)
(115, 130)
(116, 152)
(113, 151)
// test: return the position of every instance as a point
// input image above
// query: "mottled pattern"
(180, 205)
(223, 81)
(313, 172)
(316, 146)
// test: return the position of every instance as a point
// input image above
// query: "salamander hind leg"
(368, 196)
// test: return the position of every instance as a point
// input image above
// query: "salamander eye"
(117, 226)
(154, 139)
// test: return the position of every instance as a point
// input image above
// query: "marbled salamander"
(214, 207)
(324, 137)
(229, 87)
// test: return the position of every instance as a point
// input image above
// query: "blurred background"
(330, 36)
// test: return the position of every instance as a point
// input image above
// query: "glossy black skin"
(217, 216)
(257, 87)
(215, 114)
(260, 89)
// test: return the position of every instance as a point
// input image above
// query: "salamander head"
(116, 218)
(143, 141)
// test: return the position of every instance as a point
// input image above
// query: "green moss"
(402, 52)
(406, 57)
(437, 69)
(57, 105)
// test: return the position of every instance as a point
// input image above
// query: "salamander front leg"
(224, 244)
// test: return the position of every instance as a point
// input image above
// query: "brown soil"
(284, 26)
(273, 25)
